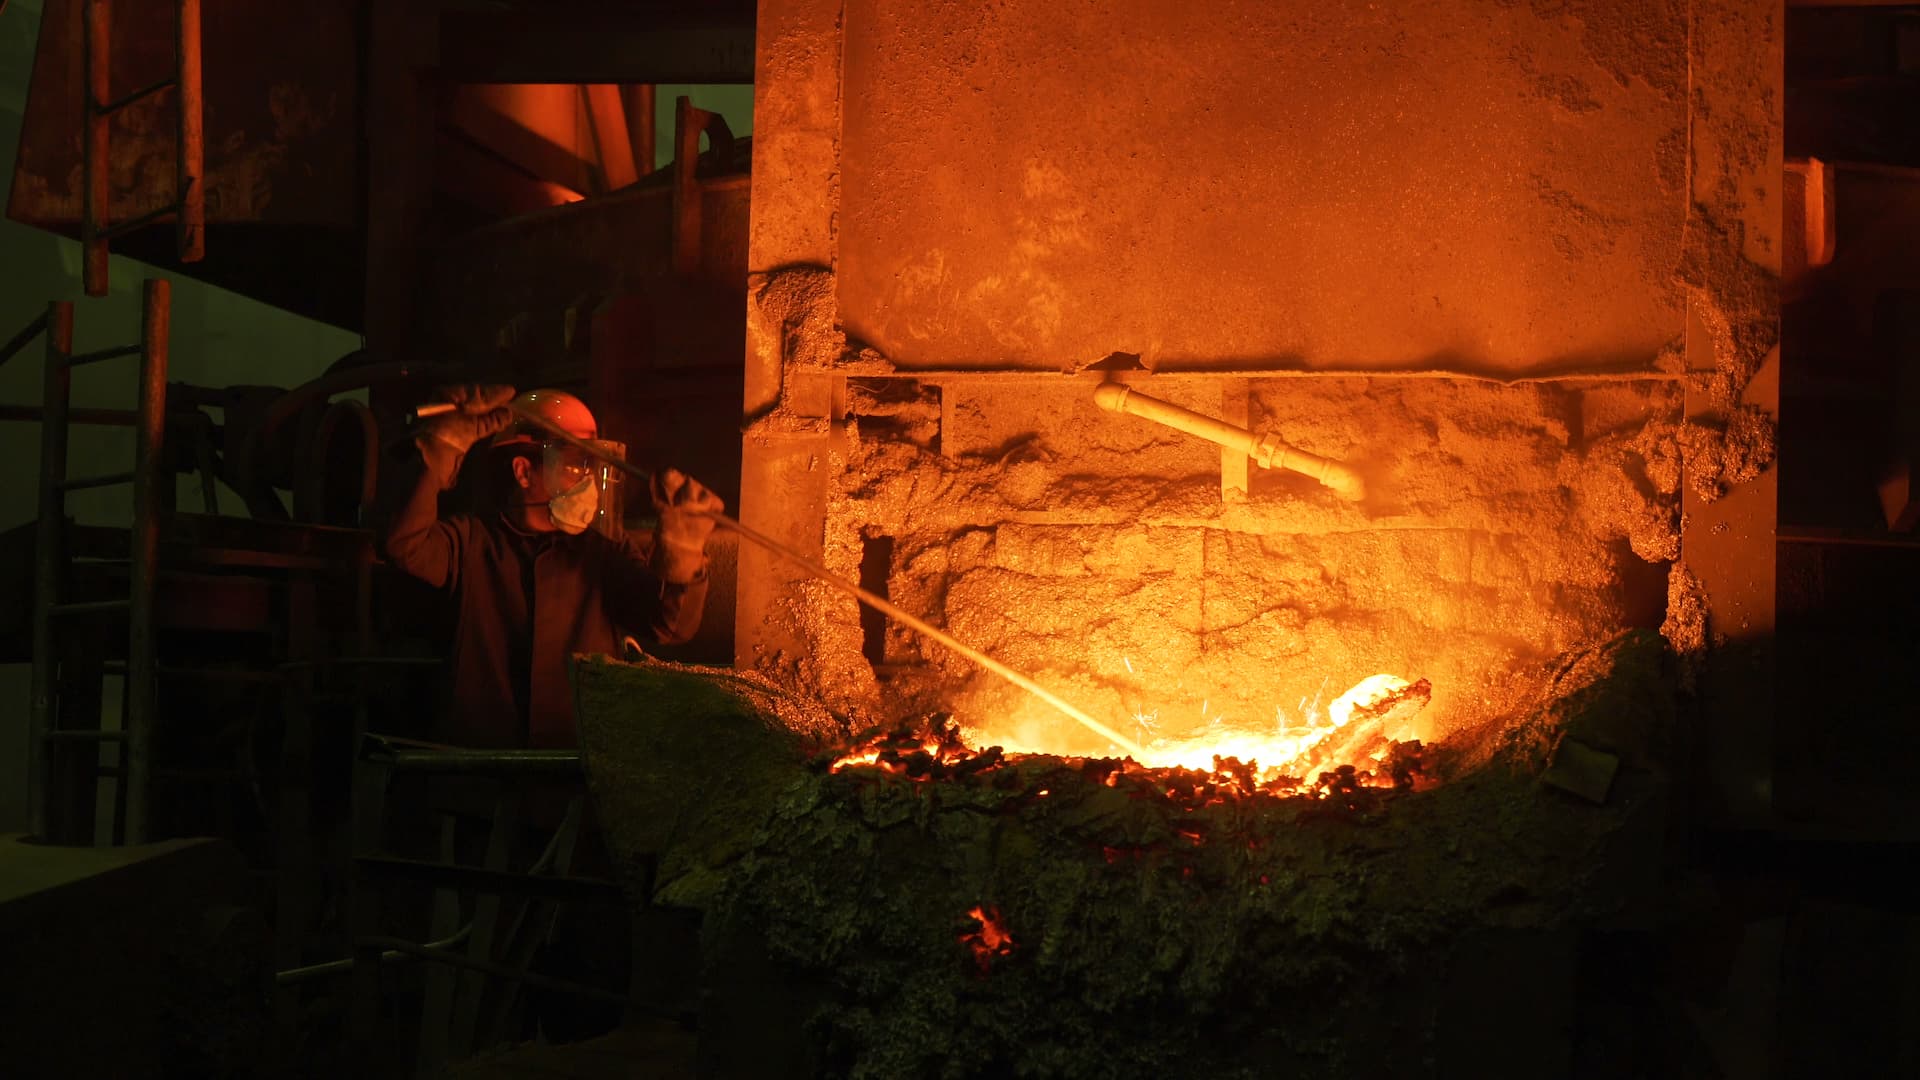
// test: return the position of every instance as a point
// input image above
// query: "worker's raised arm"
(413, 537)
(662, 586)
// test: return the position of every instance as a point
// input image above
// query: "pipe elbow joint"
(1112, 396)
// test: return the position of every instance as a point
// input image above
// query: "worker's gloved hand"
(686, 510)
(482, 412)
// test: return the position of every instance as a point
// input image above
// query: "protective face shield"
(583, 492)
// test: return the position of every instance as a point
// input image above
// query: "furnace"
(1282, 367)
(1252, 533)
(1512, 358)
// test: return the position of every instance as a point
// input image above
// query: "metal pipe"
(688, 123)
(1266, 450)
(57, 383)
(95, 139)
(642, 105)
(431, 408)
(190, 235)
(148, 456)
(878, 603)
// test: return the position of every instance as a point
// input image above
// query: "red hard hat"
(557, 407)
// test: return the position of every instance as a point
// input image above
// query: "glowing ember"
(990, 940)
(912, 754)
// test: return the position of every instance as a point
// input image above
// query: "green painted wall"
(219, 339)
(731, 100)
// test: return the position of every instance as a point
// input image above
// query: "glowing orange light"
(1268, 752)
(1326, 756)
(990, 941)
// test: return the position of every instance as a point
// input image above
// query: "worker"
(533, 583)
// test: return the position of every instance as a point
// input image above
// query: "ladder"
(188, 208)
(49, 740)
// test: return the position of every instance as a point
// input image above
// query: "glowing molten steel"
(1363, 739)
(1357, 729)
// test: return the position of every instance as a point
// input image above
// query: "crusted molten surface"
(940, 911)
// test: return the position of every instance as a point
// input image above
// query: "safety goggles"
(564, 467)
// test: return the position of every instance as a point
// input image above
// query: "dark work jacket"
(524, 603)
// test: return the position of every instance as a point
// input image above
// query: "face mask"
(573, 509)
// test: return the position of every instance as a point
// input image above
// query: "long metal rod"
(148, 454)
(878, 603)
(688, 122)
(95, 144)
(190, 235)
(640, 122)
(48, 536)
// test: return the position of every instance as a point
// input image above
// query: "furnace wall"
(1097, 552)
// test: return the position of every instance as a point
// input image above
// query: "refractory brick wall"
(1096, 552)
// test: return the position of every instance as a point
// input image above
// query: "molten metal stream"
(878, 603)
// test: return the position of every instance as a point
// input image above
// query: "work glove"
(686, 510)
(482, 413)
